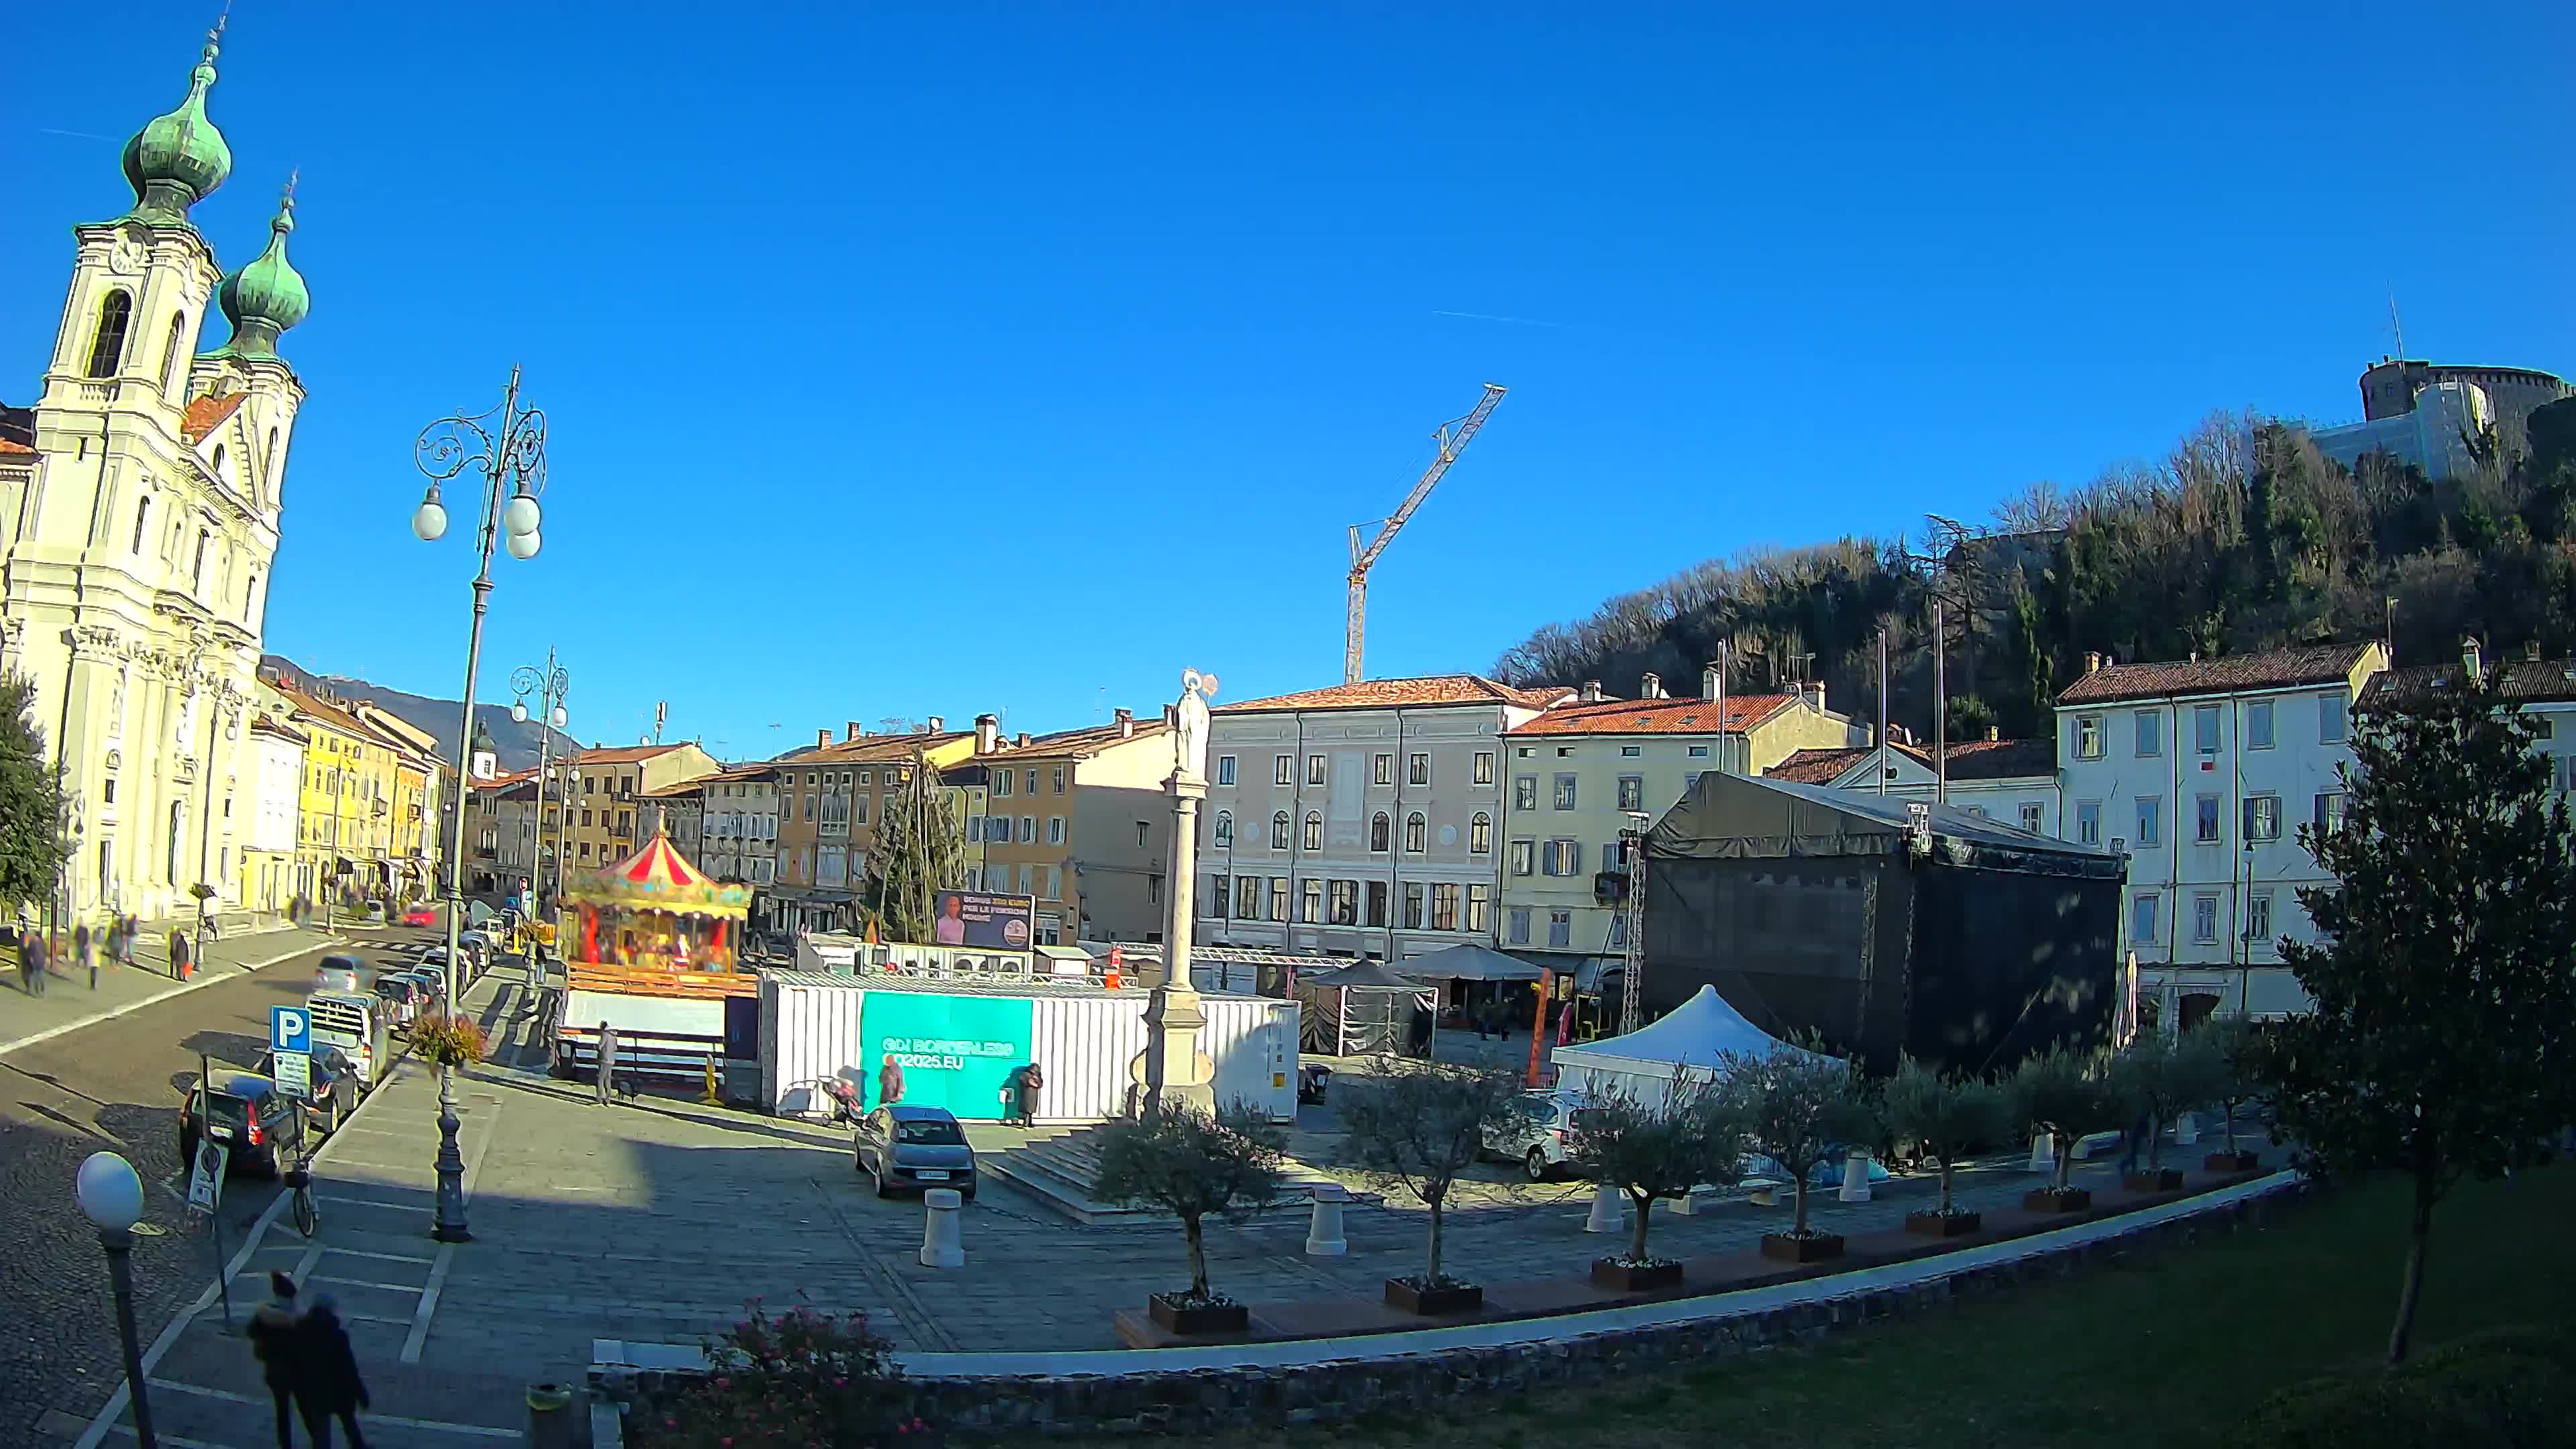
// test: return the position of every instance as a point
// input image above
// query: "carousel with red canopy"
(655, 909)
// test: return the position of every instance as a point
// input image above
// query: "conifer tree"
(32, 844)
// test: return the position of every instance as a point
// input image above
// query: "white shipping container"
(809, 1033)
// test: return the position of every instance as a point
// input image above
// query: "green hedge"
(2512, 1388)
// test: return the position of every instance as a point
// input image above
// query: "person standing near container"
(889, 1082)
(607, 1062)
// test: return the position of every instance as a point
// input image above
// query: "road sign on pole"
(293, 1072)
(206, 1181)
(290, 1029)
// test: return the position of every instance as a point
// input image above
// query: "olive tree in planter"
(1948, 1117)
(1191, 1164)
(2157, 1079)
(2230, 1051)
(1799, 1107)
(2069, 1097)
(1653, 1146)
(1419, 1130)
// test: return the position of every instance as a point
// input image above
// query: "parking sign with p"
(290, 1029)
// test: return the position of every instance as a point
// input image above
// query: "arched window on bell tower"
(171, 381)
(107, 344)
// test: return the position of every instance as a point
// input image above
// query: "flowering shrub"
(447, 1040)
(798, 1380)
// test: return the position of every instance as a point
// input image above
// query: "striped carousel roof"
(658, 878)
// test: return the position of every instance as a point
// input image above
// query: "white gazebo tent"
(1698, 1035)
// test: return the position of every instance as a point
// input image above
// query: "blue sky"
(931, 359)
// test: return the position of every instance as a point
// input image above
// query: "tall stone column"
(1173, 1072)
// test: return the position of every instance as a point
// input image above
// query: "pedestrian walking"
(274, 1341)
(607, 1062)
(180, 956)
(328, 1385)
(889, 1082)
(85, 954)
(1032, 1080)
(133, 936)
(31, 960)
(2137, 1141)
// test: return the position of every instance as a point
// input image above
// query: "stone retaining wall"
(1211, 1400)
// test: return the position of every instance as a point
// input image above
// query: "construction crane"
(1452, 437)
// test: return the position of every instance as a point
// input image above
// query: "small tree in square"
(1420, 1129)
(1946, 1116)
(2069, 1097)
(1800, 1108)
(1192, 1165)
(1650, 1146)
(2442, 1040)
(2232, 1056)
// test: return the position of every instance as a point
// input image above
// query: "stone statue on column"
(1172, 1071)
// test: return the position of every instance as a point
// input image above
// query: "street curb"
(204, 979)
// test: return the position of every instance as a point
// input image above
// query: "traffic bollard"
(941, 1246)
(1324, 1230)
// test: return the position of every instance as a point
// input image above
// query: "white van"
(355, 1022)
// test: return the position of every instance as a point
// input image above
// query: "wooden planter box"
(2231, 1162)
(1173, 1318)
(1624, 1279)
(2056, 1200)
(2160, 1179)
(1944, 1225)
(1782, 1248)
(1458, 1298)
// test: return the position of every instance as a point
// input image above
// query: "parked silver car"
(1536, 1135)
(904, 1147)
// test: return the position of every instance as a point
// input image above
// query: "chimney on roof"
(1023, 740)
(2531, 651)
(1591, 691)
(2195, 656)
(938, 724)
(852, 727)
(1993, 734)
(2471, 663)
(822, 738)
(2092, 661)
(1815, 695)
(1126, 724)
(988, 733)
(1650, 686)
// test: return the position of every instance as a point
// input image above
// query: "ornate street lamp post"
(549, 685)
(507, 446)
(110, 1195)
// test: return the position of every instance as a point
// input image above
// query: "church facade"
(142, 493)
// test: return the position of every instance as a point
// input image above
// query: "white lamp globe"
(518, 711)
(109, 1193)
(560, 718)
(519, 515)
(429, 521)
(523, 545)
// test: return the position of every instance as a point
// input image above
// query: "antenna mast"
(1452, 437)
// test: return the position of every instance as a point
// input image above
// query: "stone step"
(1064, 1173)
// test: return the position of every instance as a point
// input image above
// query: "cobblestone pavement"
(115, 1085)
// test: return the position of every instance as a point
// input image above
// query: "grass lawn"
(2161, 1353)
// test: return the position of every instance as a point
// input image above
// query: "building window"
(1212, 902)
(1565, 792)
(1028, 880)
(1413, 905)
(2331, 717)
(1376, 903)
(1286, 771)
(2205, 820)
(1618, 930)
(1525, 792)
(1279, 898)
(1484, 767)
(1314, 769)
(1055, 830)
(1561, 858)
(1247, 898)
(1225, 769)
(1314, 831)
(2088, 737)
(1699, 752)
(2262, 817)
(1416, 829)
(142, 518)
(1279, 831)
(1312, 903)
(1378, 832)
(1382, 769)
(170, 381)
(2258, 725)
(2142, 920)
(2088, 822)
(1055, 883)
(2032, 817)
(1560, 929)
(1225, 829)
(2151, 820)
(2204, 920)
(1480, 908)
(2329, 813)
(1028, 830)
(1418, 770)
(1059, 779)
(2151, 733)
(1524, 855)
(1030, 781)
(1444, 906)
(1632, 792)
(107, 348)
(1002, 782)
(2258, 919)
(1519, 923)
(197, 570)
(2204, 729)
(1346, 903)
(1480, 834)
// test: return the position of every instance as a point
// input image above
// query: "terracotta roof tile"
(1969, 760)
(1818, 767)
(622, 755)
(1428, 690)
(2276, 669)
(12, 449)
(2531, 681)
(1088, 740)
(207, 413)
(869, 749)
(1688, 716)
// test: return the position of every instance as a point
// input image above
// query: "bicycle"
(299, 1183)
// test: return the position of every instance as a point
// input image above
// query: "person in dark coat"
(607, 1062)
(31, 959)
(275, 1341)
(328, 1386)
(1023, 1088)
(85, 953)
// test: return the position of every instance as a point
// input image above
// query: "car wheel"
(879, 1178)
(1537, 1166)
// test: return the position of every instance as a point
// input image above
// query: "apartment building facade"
(358, 784)
(830, 799)
(1362, 819)
(739, 833)
(605, 808)
(1080, 820)
(1575, 775)
(2013, 782)
(2201, 772)
(276, 761)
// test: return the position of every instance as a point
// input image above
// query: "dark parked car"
(336, 1088)
(248, 1115)
(904, 1147)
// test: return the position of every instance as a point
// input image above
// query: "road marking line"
(365, 1283)
(172, 1440)
(387, 1257)
(367, 1202)
(428, 1305)
(396, 1420)
(205, 978)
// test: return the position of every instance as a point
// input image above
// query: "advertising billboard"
(976, 918)
(954, 1051)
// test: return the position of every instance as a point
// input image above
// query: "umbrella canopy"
(1470, 962)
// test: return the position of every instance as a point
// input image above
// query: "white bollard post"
(1324, 1230)
(940, 1244)
(1687, 1205)
(2186, 1129)
(1856, 1177)
(2043, 1153)
(1606, 1216)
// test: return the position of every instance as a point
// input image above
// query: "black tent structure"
(1884, 926)
(1364, 1009)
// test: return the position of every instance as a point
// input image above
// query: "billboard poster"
(954, 1051)
(978, 918)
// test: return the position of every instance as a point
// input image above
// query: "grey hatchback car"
(904, 1147)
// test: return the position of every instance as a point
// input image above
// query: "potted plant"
(1418, 1130)
(1798, 1107)
(2231, 1048)
(2154, 1078)
(447, 1040)
(1649, 1146)
(1192, 1163)
(1947, 1117)
(799, 1377)
(2067, 1097)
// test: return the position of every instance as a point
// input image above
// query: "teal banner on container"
(955, 1051)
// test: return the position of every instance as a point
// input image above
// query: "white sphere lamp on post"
(110, 1195)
